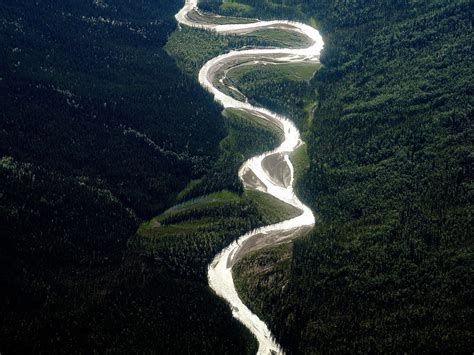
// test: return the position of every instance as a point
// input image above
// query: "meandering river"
(271, 172)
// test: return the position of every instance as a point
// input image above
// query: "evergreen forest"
(119, 185)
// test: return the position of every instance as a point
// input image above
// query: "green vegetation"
(265, 9)
(273, 131)
(202, 227)
(187, 236)
(300, 160)
(212, 200)
(271, 208)
(99, 130)
(388, 268)
(283, 88)
(276, 71)
(192, 47)
(206, 17)
(199, 228)
(272, 268)
(189, 187)
(76, 285)
(236, 8)
(93, 141)
(280, 38)
(112, 111)
(246, 137)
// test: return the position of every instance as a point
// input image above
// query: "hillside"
(389, 265)
(99, 130)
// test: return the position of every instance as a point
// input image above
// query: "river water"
(271, 172)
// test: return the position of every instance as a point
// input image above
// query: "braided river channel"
(271, 172)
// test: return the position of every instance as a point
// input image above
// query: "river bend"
(271, 172)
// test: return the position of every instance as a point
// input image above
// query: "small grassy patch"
(313, 22)
(282, 38)
(236, 8)
(292, 71)
(212, 200)
(300, 160)
(217, 199)
(185, 192)
(272, 208)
